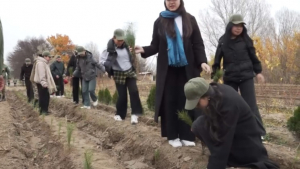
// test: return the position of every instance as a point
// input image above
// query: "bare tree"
(27, 48)
(92, 47)
(213, 20)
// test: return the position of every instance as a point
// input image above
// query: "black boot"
(3, 98)
(35, 102)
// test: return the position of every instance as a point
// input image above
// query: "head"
(119, 37)
(173, 5)
(46, 55)
(27, 61)
(58, 58)
(195, 91)
(81, 51)
(238, 24)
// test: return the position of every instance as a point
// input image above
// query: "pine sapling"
(88, 160)
(70, 129)
(184, 116)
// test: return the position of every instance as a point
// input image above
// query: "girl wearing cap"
(240, 63)
(177, 39)
(227, 127)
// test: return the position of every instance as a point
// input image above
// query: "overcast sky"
(91, 20)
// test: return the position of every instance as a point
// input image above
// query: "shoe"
(188, 143)
(118, 118)
(85, 107)
(134, 119)
(58, 96)
(175, 143)
(95, 103)
(62, 95)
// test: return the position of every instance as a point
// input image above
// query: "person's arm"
(154, 46)
(98, 65)
(103, 57)
(198, 45)
(52, 68)
(22, 73)
(70, 64)
(42, 74)
(77, 70)
(219, 152)
(217, 61)
(257, 68)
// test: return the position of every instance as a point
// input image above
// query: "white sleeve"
(103, 57)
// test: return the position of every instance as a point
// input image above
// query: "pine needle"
(184, 116)
(218, 75)
(88, 160)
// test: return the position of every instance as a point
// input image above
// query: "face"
(237, 29)
(203, 102)
(172, 5)
(58, 59)
(118, 42)
(47, 58)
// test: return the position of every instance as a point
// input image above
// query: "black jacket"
(112, 56)
(195, 54)
(240, 135)
(26, 71)
(72, 65)
(239, 58)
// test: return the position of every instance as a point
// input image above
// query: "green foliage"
(151, 99)
(184, 116)
(115, 97)
(293, 123)
(218, 75)
(101, 96)
(70, 129)
(107, 97)
(88, 160)
(71, 71)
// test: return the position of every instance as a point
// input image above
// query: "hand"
(139, 49)
(206, 68)
(57, 76)
(260, 78)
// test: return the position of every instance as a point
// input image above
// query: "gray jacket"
(87, 67)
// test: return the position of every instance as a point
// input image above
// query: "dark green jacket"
(57, 68)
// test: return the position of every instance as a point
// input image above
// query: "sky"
(87, 21)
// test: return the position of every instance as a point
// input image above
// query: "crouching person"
(119, 64)
(228, 126)
(42, 77)
(86, 66)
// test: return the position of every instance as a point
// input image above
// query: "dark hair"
(213, 116)
(168, 23)
(228, 34)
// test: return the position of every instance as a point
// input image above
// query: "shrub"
(115, 97)
(101, 96)
(107, 97)
(151, 99)
(293, 123)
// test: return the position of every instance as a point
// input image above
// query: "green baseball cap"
(80, 50)
(119, 34)
(46, 53)
(194, 89)
(58, 56)
(237, 19)
(27, 60)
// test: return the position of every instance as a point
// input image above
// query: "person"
(181, 56)
(5, 76)
(15, 82)
(25, 76)
(42, 77)
(86, 66)
(119, 63)
(57, 70)
(227, 127)
(239, 63)
(75, 80)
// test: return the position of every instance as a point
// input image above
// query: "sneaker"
(118, 118)
(62, 95)
(85, 107)
(95, 103)
(52, 96)
(188, 143)
(58, 96)
(134, 119)
(175, 143)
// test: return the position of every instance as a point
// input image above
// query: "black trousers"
(247, 90)
(173, 101)
(75, 90)
(59, 82)
(29, 89)
(135, 101)
(44, 99)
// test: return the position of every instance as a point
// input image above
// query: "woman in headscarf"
(181, 56)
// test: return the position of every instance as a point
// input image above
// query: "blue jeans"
(88, 89)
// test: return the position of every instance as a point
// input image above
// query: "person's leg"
(62, 86)
(92, 88)
(234, 85)
(27, 85)
(248, 93)
(41, 97)
(122, 100)
(135, 101)
(85, 93)
(3, 93)
(57, 83)
(75, 89)
(81, 90)
(31, 97)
